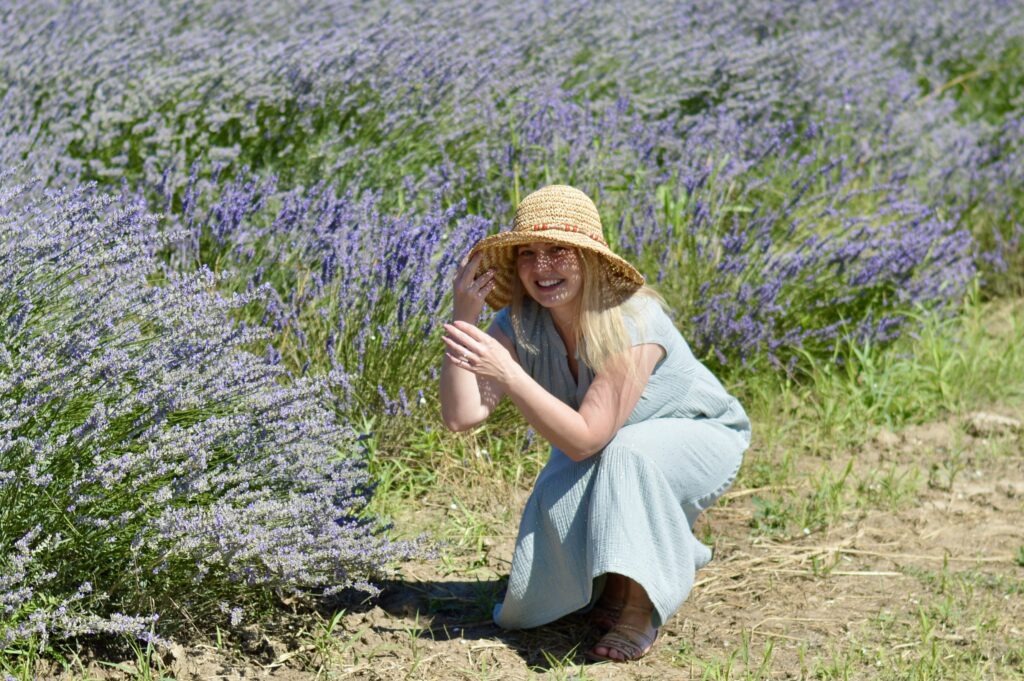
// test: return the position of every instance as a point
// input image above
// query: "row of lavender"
(792, 180)
(424, 108)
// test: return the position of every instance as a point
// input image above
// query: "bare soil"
(923, 554)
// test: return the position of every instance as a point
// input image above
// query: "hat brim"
(498, 253)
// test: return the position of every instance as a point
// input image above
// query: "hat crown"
(558, 207)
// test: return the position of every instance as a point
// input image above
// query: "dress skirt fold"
(628, 510)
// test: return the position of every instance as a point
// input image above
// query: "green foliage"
(954, 364)
(989, 89)
(563, 668)
(792, 514)
(893, 489)
(986, 87)
(950, 363)
(345, 140)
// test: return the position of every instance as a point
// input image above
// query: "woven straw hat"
(557, 214)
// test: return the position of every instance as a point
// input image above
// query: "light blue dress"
(630, 508)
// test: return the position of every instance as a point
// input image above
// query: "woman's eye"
(525, 252)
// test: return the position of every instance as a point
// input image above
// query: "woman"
(643, 437)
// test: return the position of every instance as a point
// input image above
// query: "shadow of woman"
(441, 610)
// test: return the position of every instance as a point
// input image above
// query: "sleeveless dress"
(630, 508)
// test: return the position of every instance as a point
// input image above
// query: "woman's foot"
(626, 641)
(605, 615)
(632, 635)
(608, 608)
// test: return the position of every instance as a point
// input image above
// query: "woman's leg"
(651, 482)
(608, 608)
(614, 589)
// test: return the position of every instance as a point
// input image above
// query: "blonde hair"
(600, 329)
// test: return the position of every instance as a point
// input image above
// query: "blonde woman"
(644, 438)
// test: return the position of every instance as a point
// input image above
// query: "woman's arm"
(608, 403)
(468, 399)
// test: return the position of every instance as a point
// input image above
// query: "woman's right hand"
(469, 290)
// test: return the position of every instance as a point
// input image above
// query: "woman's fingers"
(467, 270)
(458, 360)
(470, 330)
(459, 356)
(474, 350)
(470, 291)
(475, 284)
(483, 283)
(460, 337)
(467, 278)
(457, 348)
(463, 354)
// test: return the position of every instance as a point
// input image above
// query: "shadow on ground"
(461, 609)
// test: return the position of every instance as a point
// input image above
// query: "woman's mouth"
(548, 284)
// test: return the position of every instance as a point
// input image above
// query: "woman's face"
(551, 274)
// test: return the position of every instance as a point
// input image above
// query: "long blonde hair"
(600, 329)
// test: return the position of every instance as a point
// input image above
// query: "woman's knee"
(621, 453)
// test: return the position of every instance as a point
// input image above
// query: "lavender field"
(227, 236)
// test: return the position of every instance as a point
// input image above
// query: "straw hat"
(556, 214)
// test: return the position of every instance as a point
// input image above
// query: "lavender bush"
(149, 465)
(364, 96)
(353, 294)
(784, 265)
(795, 179)
(138, 89)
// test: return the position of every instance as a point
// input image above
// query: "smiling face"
(550, 273)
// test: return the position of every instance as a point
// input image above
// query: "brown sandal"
(628, 640)
(605, 615)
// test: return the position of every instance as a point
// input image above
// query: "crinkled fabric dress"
(629, 509)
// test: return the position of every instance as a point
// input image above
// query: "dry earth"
(921, 557)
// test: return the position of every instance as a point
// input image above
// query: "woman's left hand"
(471, 349)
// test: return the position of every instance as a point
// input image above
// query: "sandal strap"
(642, 637)
(612, 610)
(633, 643)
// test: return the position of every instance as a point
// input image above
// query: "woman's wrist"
(469, 317)
(512, 378)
